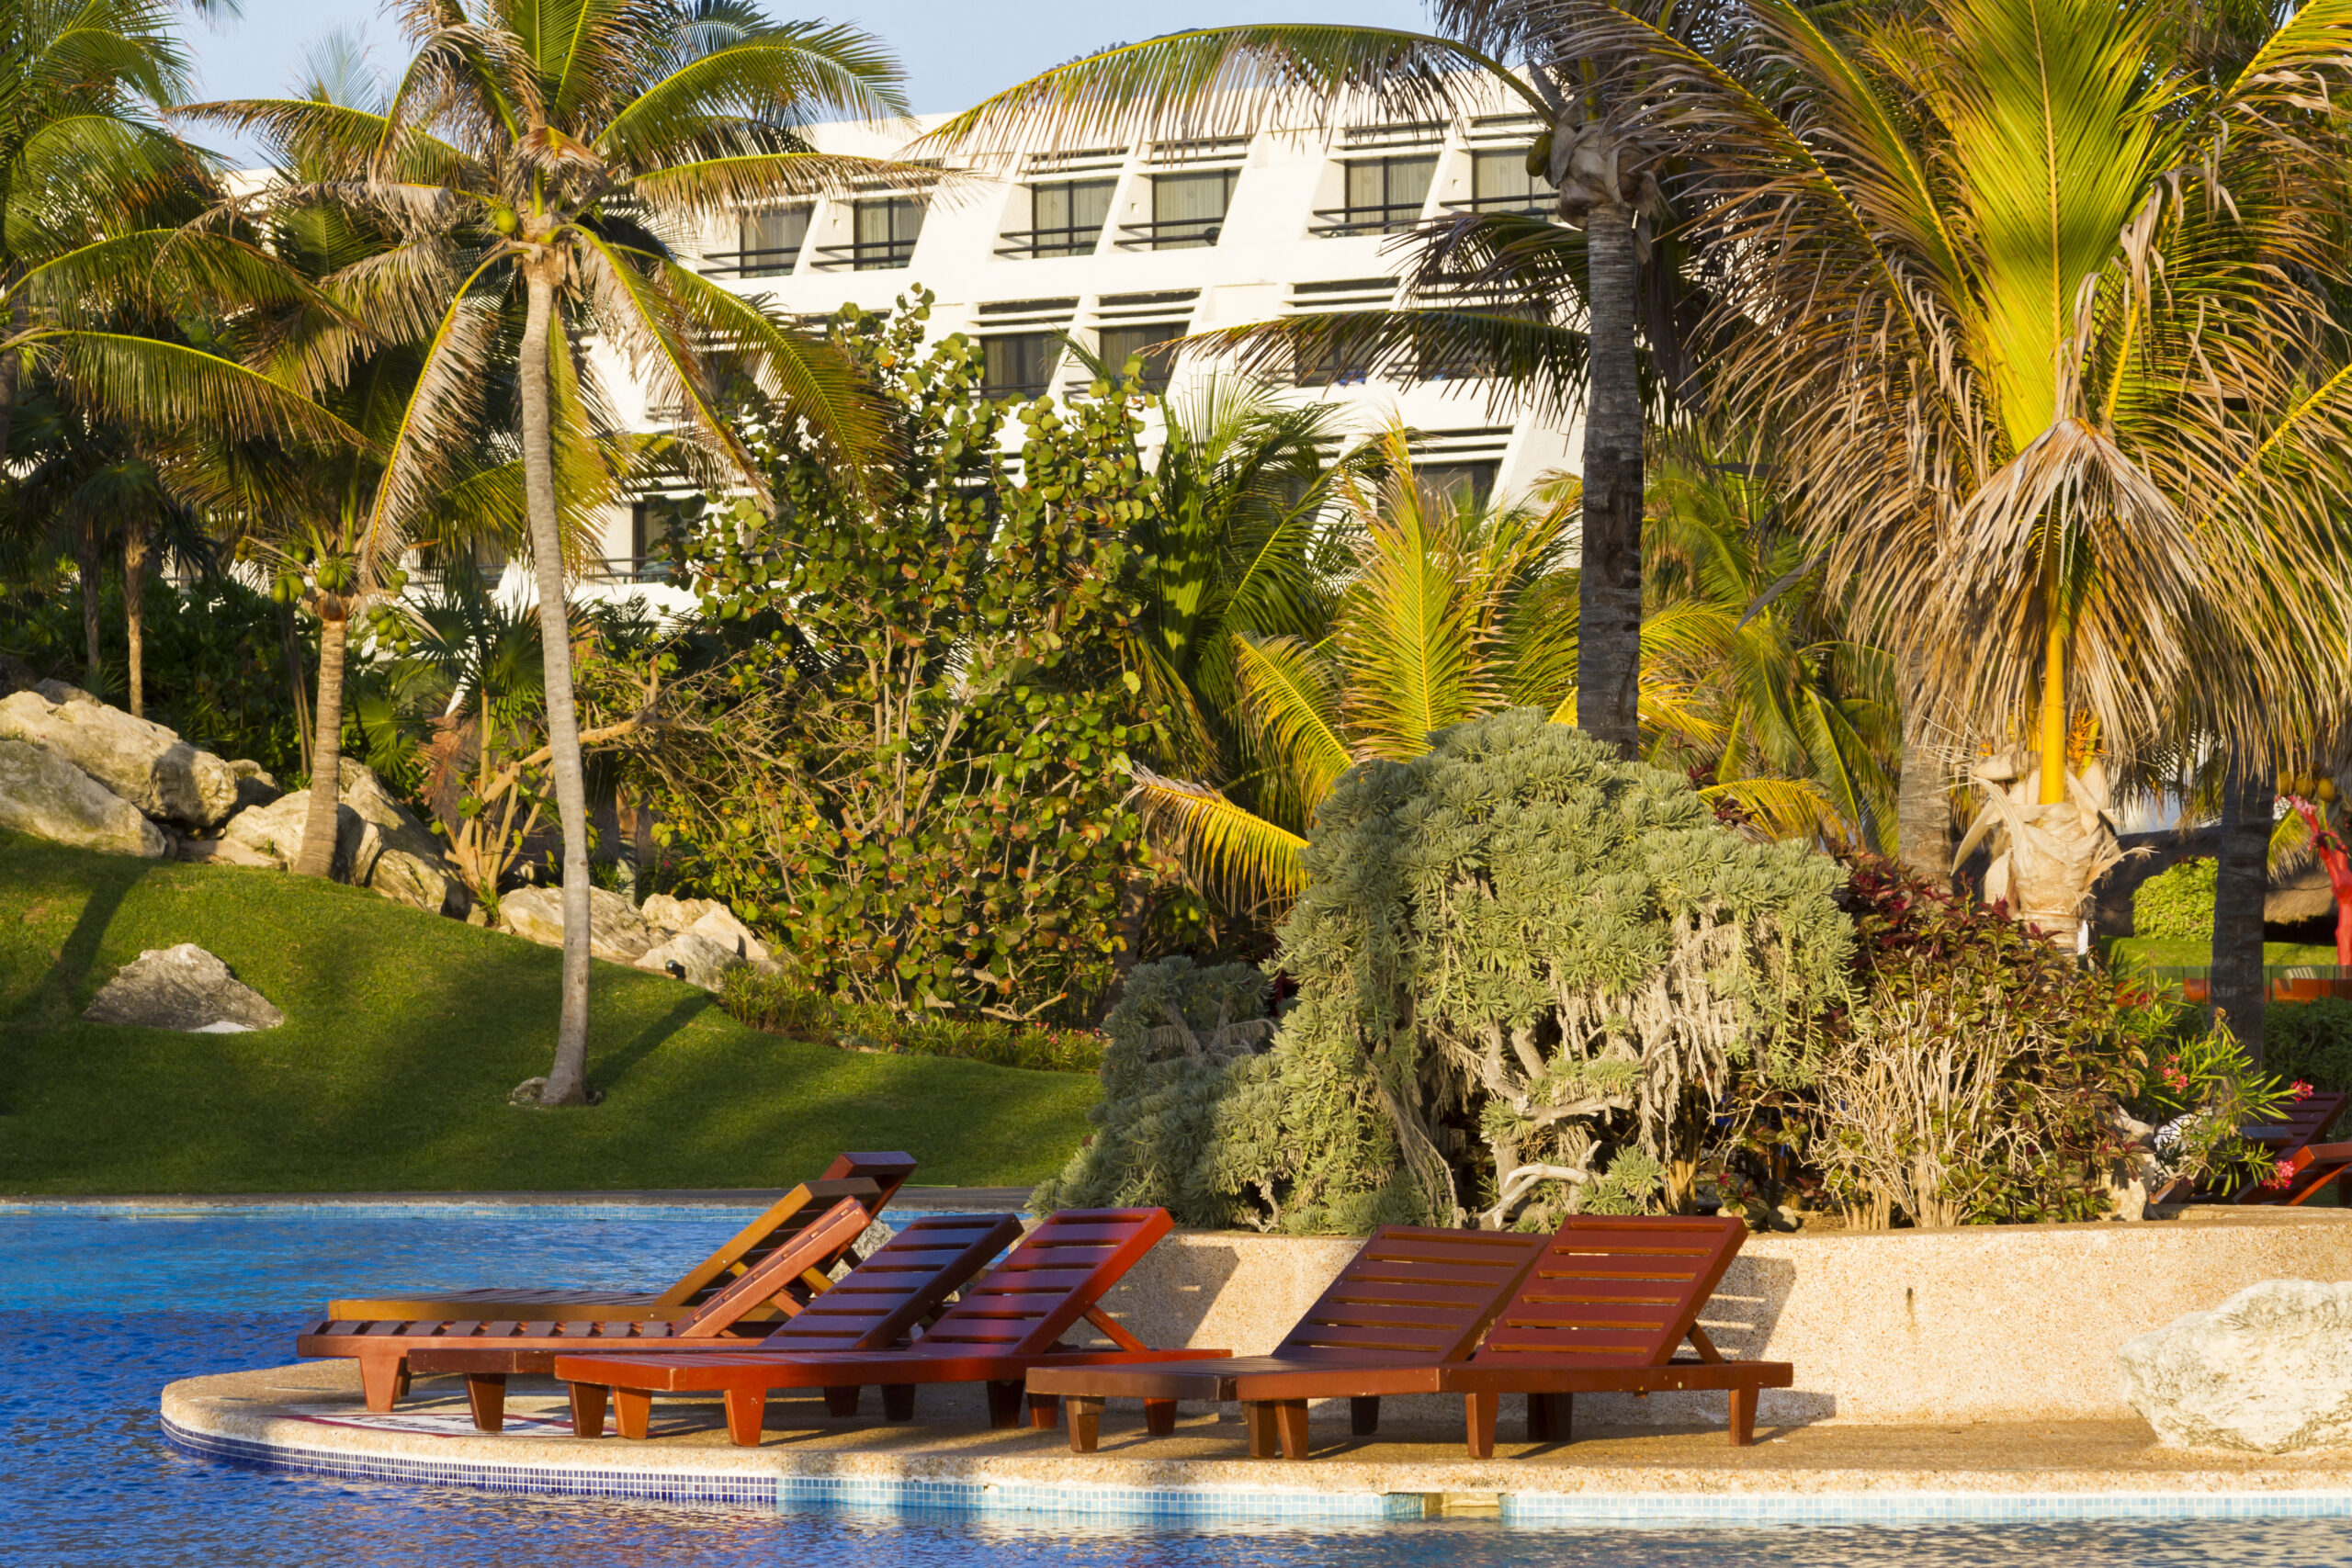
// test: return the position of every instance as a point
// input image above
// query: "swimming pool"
(98, 1310)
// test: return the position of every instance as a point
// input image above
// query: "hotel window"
(1135, 338)
(1066, 218)
(882, 236)
(1383, 195)
(767, 243)
(1187, 210)
(1499, 183)
(1019, 365)
(1342, 360)
(1464, 485)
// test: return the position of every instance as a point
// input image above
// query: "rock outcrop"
(256, 787)
(2270, 1371)
(275, 833)
(145, 763)
(699, 960)
(718, 924)
(182, 987)
(45, 796)
(615, 931)
(408, 864)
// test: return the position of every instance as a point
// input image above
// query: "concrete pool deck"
(310, 1419)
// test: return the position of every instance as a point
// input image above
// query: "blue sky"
(956, 52)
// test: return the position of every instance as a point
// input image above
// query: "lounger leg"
(1743, 1415)
(1290, 1427)
(381, 1380)
(1004, 1406)
(842, 1401)
(587, 1410)
(1159, 1416)
(486, 1396)
(1478, 1414)
(1539, 1419)
(1044, 1409)
(633, 1412)
(1363, 1416)
(747, 1416)
(1085, 1422)
(1258, 1416)
(898, 1401)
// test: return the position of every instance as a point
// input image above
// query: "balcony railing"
(1385, 218)
(1536, 204)
(626, 568)
(865, 255)
(1075, 240)
(751, 263)
(1169, 234)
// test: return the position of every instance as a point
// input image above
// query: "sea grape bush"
(2177, 902)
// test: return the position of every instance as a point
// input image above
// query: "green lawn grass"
(2159, 952)
(404, 1034)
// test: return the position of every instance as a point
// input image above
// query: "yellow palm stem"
(2054, 683)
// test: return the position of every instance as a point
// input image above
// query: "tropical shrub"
(2310, 1042)
(1527, 974)
(2177, 902)
(1179, 1040)
(784, 1004)
(913, 765)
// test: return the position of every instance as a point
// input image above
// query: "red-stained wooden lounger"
(2286, 1141)
(874, 1306)
(1604, 1310)
(1412, 1296)
(1008, 1322)
(782, 1221)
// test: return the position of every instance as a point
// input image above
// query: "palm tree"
(563, 153)
(2052, 380)
(1218, 81)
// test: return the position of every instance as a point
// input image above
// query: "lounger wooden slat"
(886, 1172)
(1550, 1345)
(2303, 1123)
(893, 1299)
(1480, 1271)
(997, 1331)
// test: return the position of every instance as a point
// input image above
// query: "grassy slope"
(404, 1034)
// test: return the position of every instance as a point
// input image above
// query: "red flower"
(2300, 1089)
(2280, 1178)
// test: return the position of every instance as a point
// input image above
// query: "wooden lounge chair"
(2285, 1141)
(1411, 1297)
(1603, 1310)
(782, 1221)
(874, 1306)
(1010, 1321)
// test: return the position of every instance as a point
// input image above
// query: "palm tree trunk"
(2242, 877)
(319, 828)
(11, 363)
(1922, 801)
(1609, 592)
(568, 1079)
(86, 561)
(296, 682)
(134, 609)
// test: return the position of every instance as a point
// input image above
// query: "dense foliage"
(2310, 1042)
(918, 770)
(2177, 902)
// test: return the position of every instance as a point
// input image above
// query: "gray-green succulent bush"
(1528, 972)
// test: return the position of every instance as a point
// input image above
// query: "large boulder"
(675, 914)
(45, 796)
(182, 987)
(275, 832)
(720, 925)
(255, 785)
(406, 862)
(145, 763)
(700, 960)
(2270, 1371)
(614, 931)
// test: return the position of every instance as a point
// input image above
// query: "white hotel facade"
(1123, 247)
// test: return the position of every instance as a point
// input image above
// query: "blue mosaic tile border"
(1205, 1505)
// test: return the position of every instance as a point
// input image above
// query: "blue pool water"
(86, 1477)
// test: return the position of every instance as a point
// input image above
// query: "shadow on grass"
(77, 955)
(606, 1069)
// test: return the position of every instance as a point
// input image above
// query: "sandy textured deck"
(312, 1414)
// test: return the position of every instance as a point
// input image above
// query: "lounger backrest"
(1415, 1293)
(889, 1171)
(783, 1220)
(878, 1304)
(808, 1256)
(1611, 1292)
(1060, 1269)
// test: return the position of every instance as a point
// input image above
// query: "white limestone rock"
(275, 832)
(614, 931)
(669, 914)
(182, 987)
(255, 785)
(145, 763)
(700, 960)
(720, 925)
(2270, 1371)
(43, 794)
